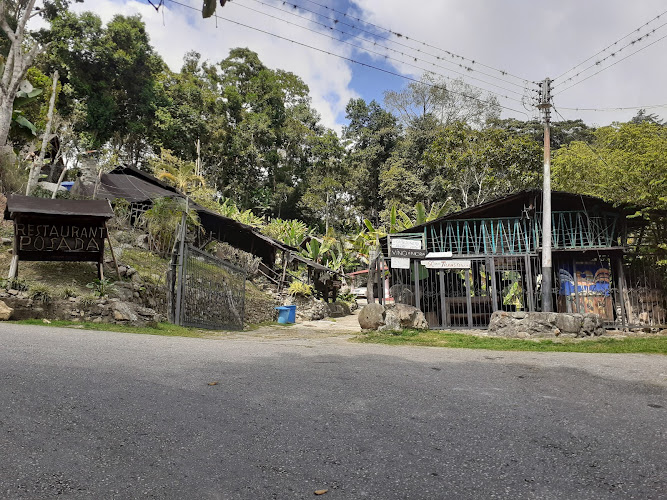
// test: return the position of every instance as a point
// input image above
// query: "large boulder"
(544, 324)
(371, 317)
(402, 316)
(392, 317)
(5, 311)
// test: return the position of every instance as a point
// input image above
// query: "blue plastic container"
(291, 317)
(286, 314)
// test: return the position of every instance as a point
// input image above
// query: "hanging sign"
(439, 255)
(409, 253)
(404, 243)
(400, 263)
(446, 264)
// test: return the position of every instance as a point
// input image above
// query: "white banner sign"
(400, 262)
(403, 243)
(446, 264)
(439, 255)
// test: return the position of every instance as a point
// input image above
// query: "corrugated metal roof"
(29, 204)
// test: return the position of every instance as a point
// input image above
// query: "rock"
(371, 317)
(402, 316)
(338, 309)
(5, 311)
(11, 291)
(6, 241)
(97, 320)
(136, 278)
(541, 324)
(122, 311)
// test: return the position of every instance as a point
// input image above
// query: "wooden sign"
(439, 255)
(405, 243)
(446, 264)
(60, 241)
(400, 263)
(409, 253)
(58, 230)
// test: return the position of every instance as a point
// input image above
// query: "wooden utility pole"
(547, 266)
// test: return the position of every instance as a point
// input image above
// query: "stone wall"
(122, 309)
(543, 324)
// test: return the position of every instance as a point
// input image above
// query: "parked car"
(359, 292)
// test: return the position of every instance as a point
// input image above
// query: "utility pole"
(547, 267)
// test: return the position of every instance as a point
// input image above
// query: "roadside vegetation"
(435, 338)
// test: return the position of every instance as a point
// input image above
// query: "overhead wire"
(176, 2)
(651, 106)
(608, 46)
(384, 56)
(611, 65)
(425, 44)
(375, 35)
(613, 54)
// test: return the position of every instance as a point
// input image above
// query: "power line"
(389, 57)
(611, 45)
(411, 56)
(613, 54)
(613, 64)
(348, 58)
(400, 35)
(651, 106)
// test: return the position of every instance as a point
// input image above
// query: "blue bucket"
(286, 314)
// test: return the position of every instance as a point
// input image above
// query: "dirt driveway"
(331, 329)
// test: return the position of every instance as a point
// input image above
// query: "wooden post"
(113, 256)
(179, 277)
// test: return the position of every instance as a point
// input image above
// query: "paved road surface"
(109, 415)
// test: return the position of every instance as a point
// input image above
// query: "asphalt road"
(109, 415)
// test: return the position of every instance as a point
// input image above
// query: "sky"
(499, 46)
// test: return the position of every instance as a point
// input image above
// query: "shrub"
(87, 300)
(101, 288)
(68, 292)
(41, 293)
(299, 289)
(19, 284)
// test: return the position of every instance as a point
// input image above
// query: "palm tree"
(179, 173)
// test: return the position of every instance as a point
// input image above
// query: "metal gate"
(207, 292)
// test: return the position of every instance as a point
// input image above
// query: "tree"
(111, 76)
(625, 164)
(372, 134)
(19, 49)
(473, 166)
(449, 101)
(182, 174)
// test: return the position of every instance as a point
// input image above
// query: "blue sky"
(532, 39)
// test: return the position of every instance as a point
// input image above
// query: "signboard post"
(58, 230)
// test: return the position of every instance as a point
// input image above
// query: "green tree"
(473, 166)
(110, 72)
(372, 134)
(449, 101)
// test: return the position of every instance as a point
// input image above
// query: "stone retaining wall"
(543, 324)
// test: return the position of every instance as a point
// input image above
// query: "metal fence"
(208, 292)
(626, 291)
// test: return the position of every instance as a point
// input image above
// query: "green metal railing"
(516, 235)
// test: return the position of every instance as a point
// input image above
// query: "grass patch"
(165, 329)
(436, 338)
(150, 266)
